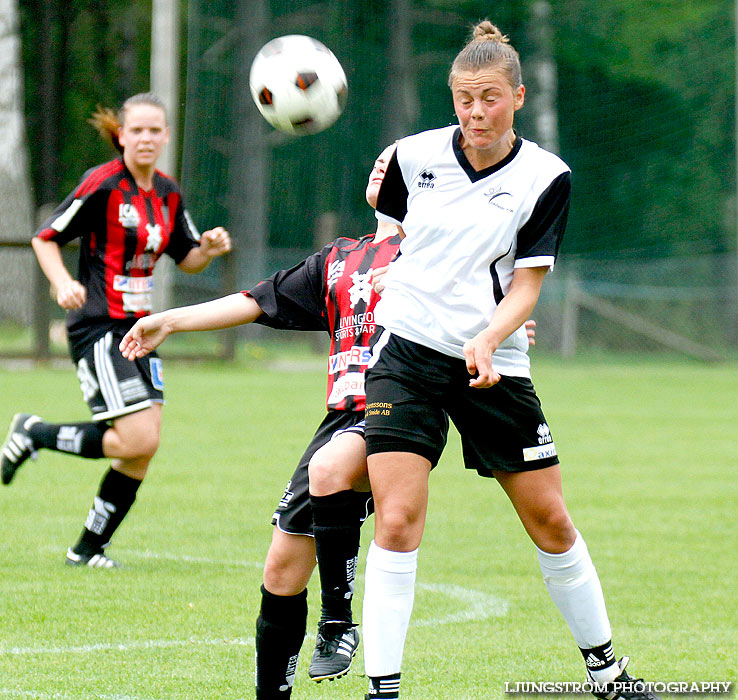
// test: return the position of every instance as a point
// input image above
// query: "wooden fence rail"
(41, 350)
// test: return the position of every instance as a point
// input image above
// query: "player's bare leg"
(338, 475)
(400, 486)
(282, 621)
(570, 575)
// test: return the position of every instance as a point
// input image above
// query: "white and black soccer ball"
(298, 84)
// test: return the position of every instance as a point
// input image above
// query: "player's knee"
(139, 444)
(325, 475)
(554, 530)
(400, 529)
(147, 445)
(283, 577)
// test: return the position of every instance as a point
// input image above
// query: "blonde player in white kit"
(483, 212)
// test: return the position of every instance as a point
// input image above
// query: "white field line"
(475, 605)
(187, 559)
(142, 645)
(40, 695)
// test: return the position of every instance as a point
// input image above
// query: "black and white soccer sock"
(573, 584)
(389, 591)
(114, 499)
(83, 439)
(601, 663)
(280, 632)
(384, 687)
(336, 528)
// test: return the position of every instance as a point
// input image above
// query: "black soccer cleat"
(624, 687)
(18, 445)
(335, 647)
(94, 561)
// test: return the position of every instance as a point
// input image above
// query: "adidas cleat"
(95, 561)
(18, 445)
(335, 647)
(624, 687)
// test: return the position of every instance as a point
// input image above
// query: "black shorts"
(410, 389)
(293, 514)
(112, 385)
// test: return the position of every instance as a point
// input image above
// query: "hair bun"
(486, 31)
(488, 48)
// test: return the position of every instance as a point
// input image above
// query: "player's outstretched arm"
(149, 332)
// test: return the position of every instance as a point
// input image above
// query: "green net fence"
(640, 104)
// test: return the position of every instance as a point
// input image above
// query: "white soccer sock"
(389, 591)
(575, 588)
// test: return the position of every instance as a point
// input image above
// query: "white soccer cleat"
(95, 561)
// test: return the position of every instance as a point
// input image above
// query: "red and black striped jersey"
(123, 231)
(331, 290)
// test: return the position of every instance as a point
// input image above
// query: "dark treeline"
(643, 99)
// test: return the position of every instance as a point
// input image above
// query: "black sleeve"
(542, 233)
(392, 198)
(294, 299)
(74, 217)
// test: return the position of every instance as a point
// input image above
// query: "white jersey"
(466, 231)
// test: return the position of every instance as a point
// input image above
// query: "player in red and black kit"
(126, 215)
(331, 291)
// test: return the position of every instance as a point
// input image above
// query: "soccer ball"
(298, 84)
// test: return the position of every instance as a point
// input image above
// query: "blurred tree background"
(641, 104)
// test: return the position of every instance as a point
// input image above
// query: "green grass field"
(649, 451)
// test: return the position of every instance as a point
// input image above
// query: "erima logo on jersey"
(426, 179)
